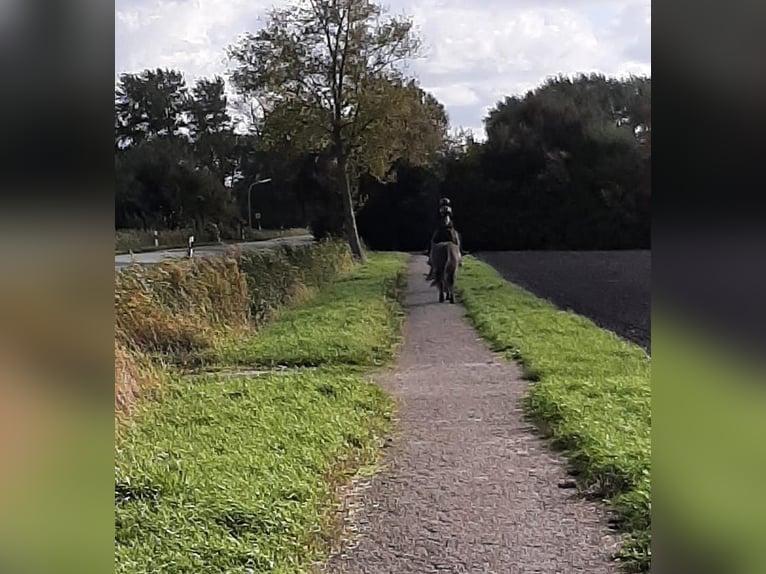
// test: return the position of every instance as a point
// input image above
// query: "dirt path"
(467, 487)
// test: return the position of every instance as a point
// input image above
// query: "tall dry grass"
(170, 311)
(134, 375)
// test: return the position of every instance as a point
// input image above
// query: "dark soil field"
(612, 288)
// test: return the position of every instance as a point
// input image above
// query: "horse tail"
(453, 261)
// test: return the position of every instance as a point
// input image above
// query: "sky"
(475, 53)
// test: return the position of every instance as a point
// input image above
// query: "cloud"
(476, 53)
(454, 94)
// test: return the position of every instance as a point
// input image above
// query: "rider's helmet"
(444, 201)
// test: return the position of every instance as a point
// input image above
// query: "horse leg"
(430, 275)
(440, 285)
(450, 272)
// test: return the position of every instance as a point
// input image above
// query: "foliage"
(400, 215)
(328, 74)
(174, 151)
(591, 393)
(178, 308)
(148, 105)
(211, 128)
(565, 167)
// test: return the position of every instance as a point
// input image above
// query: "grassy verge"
(354, 322)
(240, 473)
(591, 394)
(177, 309)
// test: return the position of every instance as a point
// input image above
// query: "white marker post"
(190, 250)
(156, 238)
(258, 219)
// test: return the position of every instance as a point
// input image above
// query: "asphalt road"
(154, 257)
(612, 288)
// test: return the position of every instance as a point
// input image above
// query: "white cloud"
(454, 94)
(476, 53)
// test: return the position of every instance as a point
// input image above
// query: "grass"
(176, 309)
(354, 322)
(240, 473)
(590, 394)
(237, 475)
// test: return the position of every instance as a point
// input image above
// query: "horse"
(445, 256)
(445, 232)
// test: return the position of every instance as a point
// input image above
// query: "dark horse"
(444, 233)
(445, 256)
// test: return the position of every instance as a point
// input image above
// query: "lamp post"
(249, 198)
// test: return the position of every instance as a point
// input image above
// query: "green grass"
(354, 322)
(239, 474)
(590, 393)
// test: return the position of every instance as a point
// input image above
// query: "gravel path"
(612, 288)
(467, 486)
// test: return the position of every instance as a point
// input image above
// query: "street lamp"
(249, 198)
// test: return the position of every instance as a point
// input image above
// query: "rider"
(444, 232)
(445, 209)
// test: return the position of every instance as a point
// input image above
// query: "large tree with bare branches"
(330, 77)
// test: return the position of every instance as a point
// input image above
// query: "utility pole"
(250, 196)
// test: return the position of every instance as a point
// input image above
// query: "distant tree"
(566, 165)
(210, 127)
(150, 104)
(159, 186)
(329, 74)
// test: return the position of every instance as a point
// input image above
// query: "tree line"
(566, 166)
(355, 147)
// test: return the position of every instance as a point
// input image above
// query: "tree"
(159, 186)
(210, 127)
(329, 75)
(148, 105)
